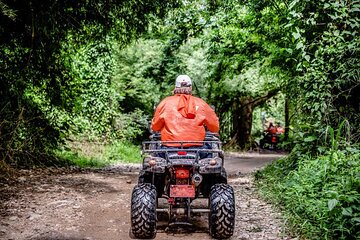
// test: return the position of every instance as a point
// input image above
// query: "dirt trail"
(95, 205)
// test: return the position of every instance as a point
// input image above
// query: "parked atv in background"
(270, 141)
(180, 175)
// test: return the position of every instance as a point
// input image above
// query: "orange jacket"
(272, 130)
(182, 118)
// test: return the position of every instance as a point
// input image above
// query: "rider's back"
(182, 118)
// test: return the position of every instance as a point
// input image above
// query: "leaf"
(332, 203)
(310, 139)
(296, 35)
(347, 212)
(299, 45)
(289, 50)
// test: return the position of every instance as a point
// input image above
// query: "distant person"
(183, 117)
(271, 129)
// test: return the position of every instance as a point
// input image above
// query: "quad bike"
(270, 141)
(180, 175)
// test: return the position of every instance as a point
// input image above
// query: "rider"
(270, 132)
(271, 129)
(181, 117)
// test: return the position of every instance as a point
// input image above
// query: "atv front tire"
(143, 211)
(222, 211)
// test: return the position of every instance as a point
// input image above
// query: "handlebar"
(156, 136)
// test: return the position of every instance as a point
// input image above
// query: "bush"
(319, 195)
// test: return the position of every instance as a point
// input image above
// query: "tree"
(326, 37)
(35, 80)
(245, 73)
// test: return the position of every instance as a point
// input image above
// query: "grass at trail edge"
(319, 196)
(91, 154)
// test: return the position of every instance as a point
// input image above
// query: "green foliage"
(245, 45)
(76, 74)
(320, 197)
(132, 127)
(90, 154)
(179, 33)
(327, 45)
(134, 80)
(319, 194)
(90, 99)
(56, 67)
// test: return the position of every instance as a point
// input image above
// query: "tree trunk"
(287, 119)
(242, 119)
(244, 123)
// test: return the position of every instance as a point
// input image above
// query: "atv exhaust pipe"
(196, 179)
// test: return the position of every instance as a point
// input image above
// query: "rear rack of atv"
(191, 146)
(186, 150)
(206, 155)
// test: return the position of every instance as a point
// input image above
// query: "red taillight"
(273, 139)
(181, 153)
(182, 173)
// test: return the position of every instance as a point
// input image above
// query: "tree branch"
(260, 100)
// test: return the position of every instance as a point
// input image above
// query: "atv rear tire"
(143, 211)
(222, 211)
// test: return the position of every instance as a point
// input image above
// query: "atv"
(180, 174)
(270, 141)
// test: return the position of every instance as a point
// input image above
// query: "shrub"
(319, 195)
